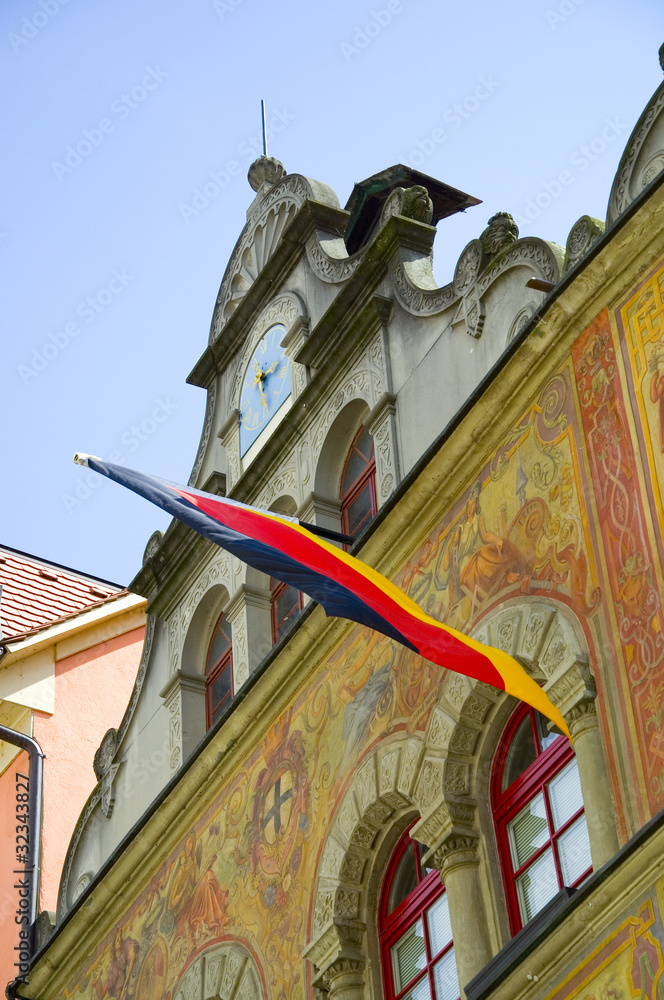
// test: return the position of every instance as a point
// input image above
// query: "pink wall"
(92, 690)
(8, 895)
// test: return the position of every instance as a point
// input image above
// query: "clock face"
(265, 387)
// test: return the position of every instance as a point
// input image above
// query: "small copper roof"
(368, 196)
(36, 593)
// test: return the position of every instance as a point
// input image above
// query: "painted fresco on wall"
(626, 965)
(631, 563)
(520, 528)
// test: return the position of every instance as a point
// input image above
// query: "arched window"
(538, 810)
(358, 484)
(415, 934)
(286, 604)
(219, 671)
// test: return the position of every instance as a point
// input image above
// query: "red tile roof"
(36, 593)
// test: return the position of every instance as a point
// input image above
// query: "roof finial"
(263, 123)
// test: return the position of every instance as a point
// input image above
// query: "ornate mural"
(627, 964)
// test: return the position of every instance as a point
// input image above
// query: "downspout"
(31, 871)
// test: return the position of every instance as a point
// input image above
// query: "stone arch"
(384, 793)
(334, 446)
(226, 969)
(203, 620)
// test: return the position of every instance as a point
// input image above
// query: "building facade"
(305, 807)
(70, 645)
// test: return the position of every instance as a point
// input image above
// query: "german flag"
(281, 547)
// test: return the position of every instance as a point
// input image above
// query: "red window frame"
(507, 804)
(277, 588)
(392, 926)
(349, 492)
(213, 670)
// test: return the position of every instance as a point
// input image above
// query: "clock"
(266, 386)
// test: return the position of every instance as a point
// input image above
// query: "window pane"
(544, 736)
(438, 922)
(408, 956)
(574, 851)
(405, 880)
(359, 510)
(287, 606)
(220, 643)
(565, 794)
(355, 467)
(446, 981)
(364, 444)
(419, 992)
(424, 871)
(528, 832)
(537, 885)
(520, 755)
(221, 687)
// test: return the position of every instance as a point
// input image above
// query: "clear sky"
(116, 111)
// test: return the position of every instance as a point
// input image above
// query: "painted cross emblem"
(278, 807)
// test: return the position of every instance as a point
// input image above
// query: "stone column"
(293, 342)
(458, 861)
(229, 435)
(322, 511)
(344, 979)
(184, 698)
(249, 615)
(573, 691)
(383, 428)
(595, 786)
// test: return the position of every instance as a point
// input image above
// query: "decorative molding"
(260, 238)
(416, 290)
(221, 970)
(584, 233)
(328, 257)
(205, 434)
(626, 186)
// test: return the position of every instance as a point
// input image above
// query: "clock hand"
(259, 376)
(263, 397)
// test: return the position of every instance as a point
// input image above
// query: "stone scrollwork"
(583, 234)
(260, 238)
(642, 158)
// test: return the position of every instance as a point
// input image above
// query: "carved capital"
(572, 687)
(343, 973)
(582, 718)
(456, 852)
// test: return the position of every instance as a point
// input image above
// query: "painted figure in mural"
(123, 959)
(153, 974)
(478, 561)
(657, 391)
(196, 899)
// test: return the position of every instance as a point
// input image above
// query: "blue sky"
(109, 278)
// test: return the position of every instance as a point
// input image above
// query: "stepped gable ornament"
(413, 203)
(583, 234)
(105, 770)
(633, 174)
(269, 218)
(265, 170)
(501, 232)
